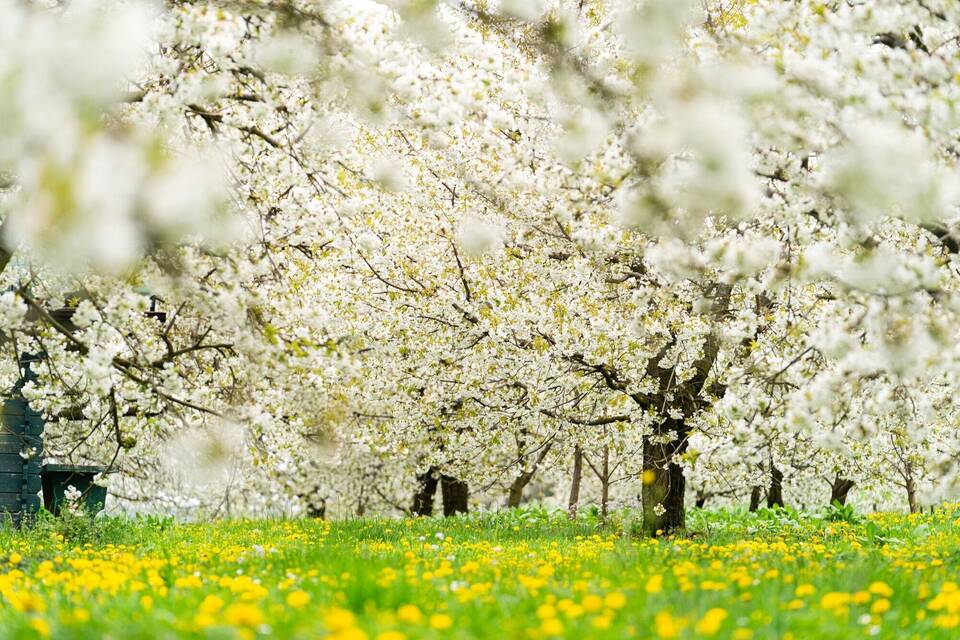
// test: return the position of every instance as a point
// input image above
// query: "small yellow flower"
(592, 603)
(15, 558)
(882, 605)
(146, 602)
(391, 635)
(880, 588)
(211, 604)
(441, 621)
(712, 621)
(835, 599)
(298, 599)
(551, 627)
(573, 611)
(546, 611)
(243, 614)
(666, 625)
(41, 627)
(802, 590)
(615, 600)
(601, 622)
(654, 584)
(25, 601)
(410, 614)
(339, 619)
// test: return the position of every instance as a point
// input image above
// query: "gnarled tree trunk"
(605, 485)
(573, 503)
(515, 494)
(424, 494)
(839, 489)
(456, 495)
(755, 494)
(663, 482)
(911, 488)
(775, 494)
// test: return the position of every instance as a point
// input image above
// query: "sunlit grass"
(524, 574)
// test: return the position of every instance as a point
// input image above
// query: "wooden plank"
(14, 410)
(11, 501)
(14, 443)
(13, 483)
(26, 428)
(13, 407)
(14, 463)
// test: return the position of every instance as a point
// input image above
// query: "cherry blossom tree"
(600, 250)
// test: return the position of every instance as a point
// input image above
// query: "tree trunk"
(361, 504)
(515, 495)
(663, 483)
(839, 489)
(605, 485)
(701, 499)
(755, 495)
(775, 494)
(426, 490)
(317, 509)
(574, 502)
(911, 494)
(6, 254)
(456, 495)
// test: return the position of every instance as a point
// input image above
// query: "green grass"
(521, 574)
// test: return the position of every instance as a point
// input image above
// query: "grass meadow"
(518, 574)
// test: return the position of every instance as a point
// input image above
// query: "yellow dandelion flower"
(654, 584)
(410, 614)
(546, 611)
(592, 603)
(666, 625)
(338, 619)
(601, 622)
(615, 600)
(551, 627)
(243, 614)
(834, 600)
(882, 605)
(298, 599)
(41, 626)
(441, 621)
(210, 605)
(712, 621)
